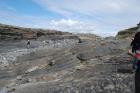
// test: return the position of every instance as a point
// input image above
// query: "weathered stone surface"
(61, 64)
(8, 32)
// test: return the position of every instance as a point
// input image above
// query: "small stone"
(92, 87)
(109, 87)
(11, 90)
(32, 69)
(19, 78)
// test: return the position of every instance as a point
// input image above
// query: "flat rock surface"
(65, 65)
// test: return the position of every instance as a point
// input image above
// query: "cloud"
(89, 7)
(107, 15)
(72, 26)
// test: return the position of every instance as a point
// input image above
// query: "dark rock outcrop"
(128, 33)
(18, 33)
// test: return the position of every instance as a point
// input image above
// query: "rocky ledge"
(17, 33)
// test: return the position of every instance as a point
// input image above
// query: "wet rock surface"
(62, 64)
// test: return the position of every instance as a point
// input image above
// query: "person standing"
(28, 44)
(136, 53)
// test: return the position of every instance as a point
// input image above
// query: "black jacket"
(135, 45)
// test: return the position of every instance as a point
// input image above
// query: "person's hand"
(129, 52)
(132, 39)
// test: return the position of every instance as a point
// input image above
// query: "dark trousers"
(137, 81)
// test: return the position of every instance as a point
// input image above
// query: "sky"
(101, 17)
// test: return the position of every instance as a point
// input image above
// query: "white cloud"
(107, 15)
(89, 7)
(68, 22)
(79, 27)
(72, 26)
